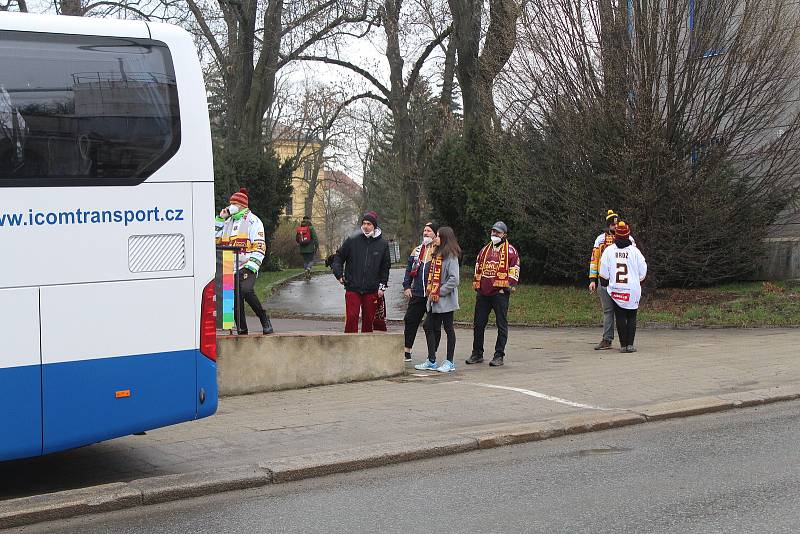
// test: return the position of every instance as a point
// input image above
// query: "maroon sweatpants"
(363, 304)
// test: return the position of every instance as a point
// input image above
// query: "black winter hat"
(433, 226)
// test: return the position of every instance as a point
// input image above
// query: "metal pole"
(241, 314)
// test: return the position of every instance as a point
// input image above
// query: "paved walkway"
(550, 373)
(323, 295)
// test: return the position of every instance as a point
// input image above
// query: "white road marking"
(423, 374)
(540, 396)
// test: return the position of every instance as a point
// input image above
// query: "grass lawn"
(745, 304)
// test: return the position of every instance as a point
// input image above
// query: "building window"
(290, 208)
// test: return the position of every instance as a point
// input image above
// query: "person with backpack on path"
(308, 243)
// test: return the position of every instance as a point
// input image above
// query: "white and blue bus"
(106, 244)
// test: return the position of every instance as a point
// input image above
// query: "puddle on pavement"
(600, 451)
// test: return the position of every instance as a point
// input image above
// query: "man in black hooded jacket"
(362, 266)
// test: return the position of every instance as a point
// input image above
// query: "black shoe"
(242, 333)
(497, 361)
(474, 359)
(267, 326)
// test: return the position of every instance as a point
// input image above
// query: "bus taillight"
(208, 322)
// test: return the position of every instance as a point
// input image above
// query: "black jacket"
(365, 263)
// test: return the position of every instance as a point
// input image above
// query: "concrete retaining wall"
(251, 364)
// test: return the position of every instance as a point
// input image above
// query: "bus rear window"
(80, 110)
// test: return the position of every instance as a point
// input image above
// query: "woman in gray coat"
(442, 291)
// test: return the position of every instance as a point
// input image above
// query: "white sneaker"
(447, 367)
(427, 365)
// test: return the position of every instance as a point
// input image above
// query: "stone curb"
(300, 467)
(281, 313)
(153, 490)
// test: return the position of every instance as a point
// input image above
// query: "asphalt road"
(736, 471)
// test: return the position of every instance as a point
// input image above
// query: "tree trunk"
(476, 74)
(71, 7)
(262, 88)
(614, 51)
(467, 36)
(404, 127)
(239, 78)
(448, 81)
(313, 181)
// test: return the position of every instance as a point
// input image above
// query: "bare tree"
(684, 117)
(250, 41)
(135, 9)
(396, 96)
(316, 126)
(342, 204)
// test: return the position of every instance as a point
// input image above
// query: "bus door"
(20, 374)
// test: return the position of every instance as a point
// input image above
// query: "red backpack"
(303, 236)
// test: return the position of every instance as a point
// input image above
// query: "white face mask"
(368, 234)
(233, 209)
(427, 240)
(496, 240)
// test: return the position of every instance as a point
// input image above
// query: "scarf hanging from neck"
(435, 279)
(419, 260)
(501, 275)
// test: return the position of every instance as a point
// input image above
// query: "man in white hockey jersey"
(602, 241)
(237, 226)
(622, 269)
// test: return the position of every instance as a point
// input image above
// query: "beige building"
(302, 177)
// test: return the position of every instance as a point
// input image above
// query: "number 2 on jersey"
(622, 273)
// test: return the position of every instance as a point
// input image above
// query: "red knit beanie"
(370, 216)
(622, 230)
(240, 197)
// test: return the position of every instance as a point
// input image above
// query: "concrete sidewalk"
(551, 375)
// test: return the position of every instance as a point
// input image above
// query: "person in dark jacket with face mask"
(362, 266)
(496, 276)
